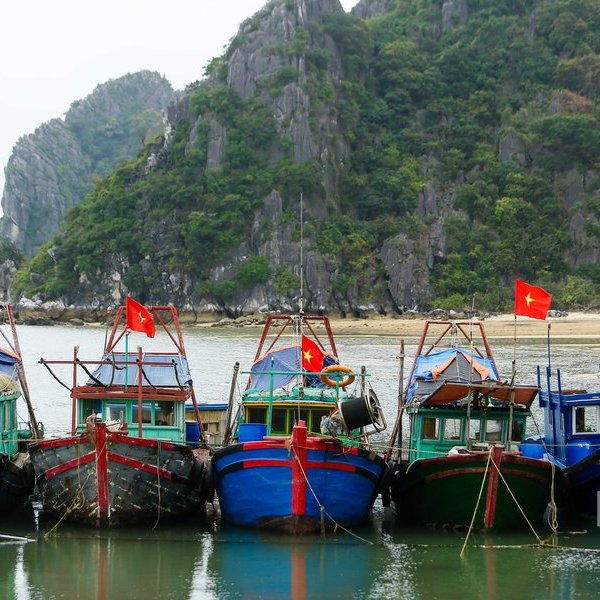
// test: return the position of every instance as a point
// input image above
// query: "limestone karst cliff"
(441, 150)
(53, 168)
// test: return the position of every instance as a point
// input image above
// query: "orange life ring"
(337, 369)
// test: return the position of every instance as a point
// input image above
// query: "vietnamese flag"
(312, 355)
(531, 301)
(139, 318)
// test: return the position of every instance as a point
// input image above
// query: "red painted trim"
(265, 462)
(299, 453)
(139, 465)
(453, 473)
(102, 471)
(60, 442)
(492, 486)
(70, 464)
(334, 466)
(148, 443)
(312, 443)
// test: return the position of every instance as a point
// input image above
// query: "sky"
(54, 52)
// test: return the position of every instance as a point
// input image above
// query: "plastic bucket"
(192, 433)
(251, 432)
(532, 449)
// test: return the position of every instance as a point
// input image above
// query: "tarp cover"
(7, 362)
(173, 370)
(276, 369)
(452, 364)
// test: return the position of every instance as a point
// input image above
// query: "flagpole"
(126, 357)
(549, 326)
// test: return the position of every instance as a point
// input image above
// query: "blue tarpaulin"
(285, 362)
(7, 362)
(464, 368)
(173, 370)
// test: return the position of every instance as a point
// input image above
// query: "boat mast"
(21, 369)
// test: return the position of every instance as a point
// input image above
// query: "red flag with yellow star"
(312, 355)
(531, 301)
(138, 318)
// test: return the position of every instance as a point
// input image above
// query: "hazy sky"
(53, 52)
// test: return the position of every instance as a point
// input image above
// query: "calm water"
(203, 558)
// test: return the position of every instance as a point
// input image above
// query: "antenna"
(301, 255)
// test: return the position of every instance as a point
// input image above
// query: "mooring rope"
(487, 468)
(78, 498)
(322, 507)
(516, 501)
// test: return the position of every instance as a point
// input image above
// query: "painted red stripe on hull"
(102, 471)
(254, 463)
(492, 487)
(59, 443)
(311, 444)
(70, 464)
(146, 443)
(454, 472)
(299, 469)
(139, 465)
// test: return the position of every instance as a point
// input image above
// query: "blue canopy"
(285, 362)
(7, 362)
(173, 370)
(452, 364)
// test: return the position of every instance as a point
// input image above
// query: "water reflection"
(249, 564)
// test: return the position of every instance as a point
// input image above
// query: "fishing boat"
(297, 456)
(571, 441)
(464, 466)
(17, 479)
(125, 459)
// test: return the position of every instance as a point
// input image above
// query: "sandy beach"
(573, 325)
(577, 325)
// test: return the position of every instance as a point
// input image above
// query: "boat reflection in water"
(251, 564)
(131, 563)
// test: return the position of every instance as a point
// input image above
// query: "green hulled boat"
(465, 467)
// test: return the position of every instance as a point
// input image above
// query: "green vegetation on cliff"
(482, 132)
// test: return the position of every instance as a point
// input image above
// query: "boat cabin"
(281, 410)
(436, 431)
(571, 422)
(143, 394)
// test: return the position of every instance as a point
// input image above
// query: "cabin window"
(517, 431)
(87, 409)
(431, 428)
(493, 430)
(256, 414)
(474, 429)
(6, 423)
(115, 412)
(279, 420)
(146, 412)
(316, 417)
(586, 419)
(452, 429)
(300, 415)
(165, 413)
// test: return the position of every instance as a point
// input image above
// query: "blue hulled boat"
(296, 455)
(572, 441)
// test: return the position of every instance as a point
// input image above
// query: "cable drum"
(362, 411)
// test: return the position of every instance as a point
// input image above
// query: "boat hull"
(110, 479)
(583, 479)
(279, 484)
(445, 491)
(16, 484)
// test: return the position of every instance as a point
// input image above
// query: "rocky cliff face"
(53, 168)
